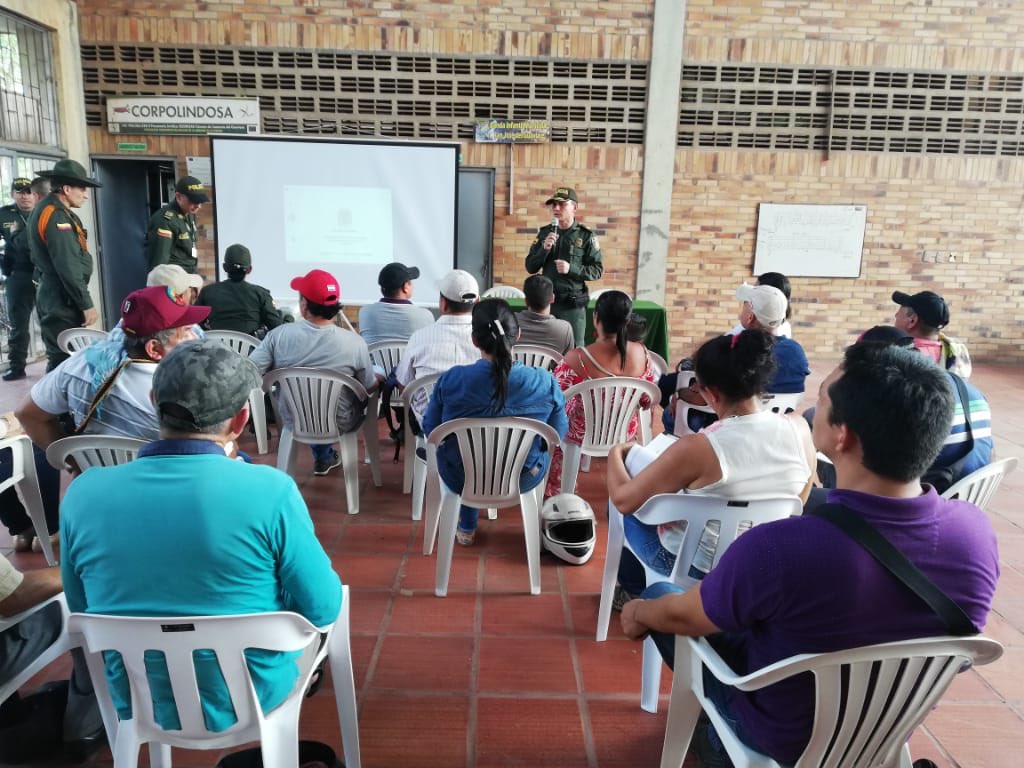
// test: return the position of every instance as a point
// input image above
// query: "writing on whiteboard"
(810, 240)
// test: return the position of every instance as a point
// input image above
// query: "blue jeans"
(323, 452)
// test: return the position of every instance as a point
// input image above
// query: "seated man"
(536, 323)
(316, 342)
(826, 592)
(185, 530)
(105, 387)
(445, 343)
(765, 307)
(237, 305)
(21, 644)
(923, 316)
(394, 316)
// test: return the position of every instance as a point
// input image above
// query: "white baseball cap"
(174, 277)
(458, 285)
(769, 304)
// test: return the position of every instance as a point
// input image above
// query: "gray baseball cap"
(201, 383)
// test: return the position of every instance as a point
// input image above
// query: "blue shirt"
(791, 367)
(955, 447)
(185, 531)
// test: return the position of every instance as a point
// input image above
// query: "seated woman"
(747, 454)
(610, 354)
(493, 386)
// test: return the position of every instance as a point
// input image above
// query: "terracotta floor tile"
(419, 573)
(584, 617)
(422, 612)
(978, 735)
(510, 615)
(424, 664)
(371, 539)
(540, 733)
(623, 739)
(512, 576)
(509, 665)
(586, 578)
(368, 610)
(612, 667)
(359, 571)
(421, 731)
(1006, 674)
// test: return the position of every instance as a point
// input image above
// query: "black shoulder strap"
(854, 526)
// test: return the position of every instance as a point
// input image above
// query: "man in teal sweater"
(188, 529)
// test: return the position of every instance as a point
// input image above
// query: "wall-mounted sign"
(132, 146)
(513, 131)
(182, 116)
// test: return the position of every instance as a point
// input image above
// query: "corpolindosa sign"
(182, 116)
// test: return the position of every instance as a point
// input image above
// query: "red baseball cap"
(319, 287)
(150, 310)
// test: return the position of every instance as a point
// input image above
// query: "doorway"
(133, 190)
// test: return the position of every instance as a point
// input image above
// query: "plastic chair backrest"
(493, 452)
(868, 700)
(177, 638)
(537, 356)
(504, 292)
(609, 405)
(387, 353)
(242, 343)
(92, 451)
(658, 363)
(732, 517)
(424, 384)
(981, 485)
(25, 480)
(74, 339)
(311, 396)
(58, 648)
(781, 402)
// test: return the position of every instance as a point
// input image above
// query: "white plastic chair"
(658, 363)
(781, 402)
(228, 637)
(732, 517)
(92, 451)
(493, 451)
(25, 480)
(415, 476)
(385, 355)
(537, 356)
(504, 292)
(60, 646)
(660, 366)
(981, 485)
(311, 396)
(868, 700)
(683, 410)
(244, 344)
(609, 404)
(74, 339)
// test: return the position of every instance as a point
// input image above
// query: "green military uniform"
(577, 245)
(60, 252)
(171, 238)
(19, 288)
(240, 306)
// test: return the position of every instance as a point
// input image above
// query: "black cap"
(929, 306)
(21, 184)
(395, 275)
(238, 255)
(192, 188)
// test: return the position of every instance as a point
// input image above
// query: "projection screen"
(348, 207)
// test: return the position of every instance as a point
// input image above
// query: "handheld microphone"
(554, 229)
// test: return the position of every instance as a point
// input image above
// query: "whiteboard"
(810, 240)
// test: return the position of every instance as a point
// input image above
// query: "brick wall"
(916, 203)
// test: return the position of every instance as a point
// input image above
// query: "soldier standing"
(20, 291)
(60, 252)
(568, 254)
(236, 305)
(171, 237)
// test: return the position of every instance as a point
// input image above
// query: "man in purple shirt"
(803, 586)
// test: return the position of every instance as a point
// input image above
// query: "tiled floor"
(491, 676)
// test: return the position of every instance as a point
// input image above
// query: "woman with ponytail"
(610, 354)
(747, 454)
(493, 386)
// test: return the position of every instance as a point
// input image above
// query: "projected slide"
(337, 225)
(348, 207)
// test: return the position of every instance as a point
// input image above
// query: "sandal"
(464, 538)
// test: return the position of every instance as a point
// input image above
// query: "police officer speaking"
(171, 237)
(567, 253)
(20, 291)
(61, 254)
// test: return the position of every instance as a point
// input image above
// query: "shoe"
(704, 748)
(464, 538)
(322, 466)
(23, 542)
(620, 597)
(14, 375)
(80, 750)
(54, 542)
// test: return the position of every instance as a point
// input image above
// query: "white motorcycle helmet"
(568, 528)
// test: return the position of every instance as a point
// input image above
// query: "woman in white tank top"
(747, 454)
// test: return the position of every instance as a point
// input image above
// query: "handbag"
(857, 528)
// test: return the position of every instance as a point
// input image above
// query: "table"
(656, 339)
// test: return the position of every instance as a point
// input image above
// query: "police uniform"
(238, 305)
(19, 288)
(171, 238)
(60, 252)
(578, 246)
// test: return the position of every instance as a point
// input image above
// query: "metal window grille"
(28, 96)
